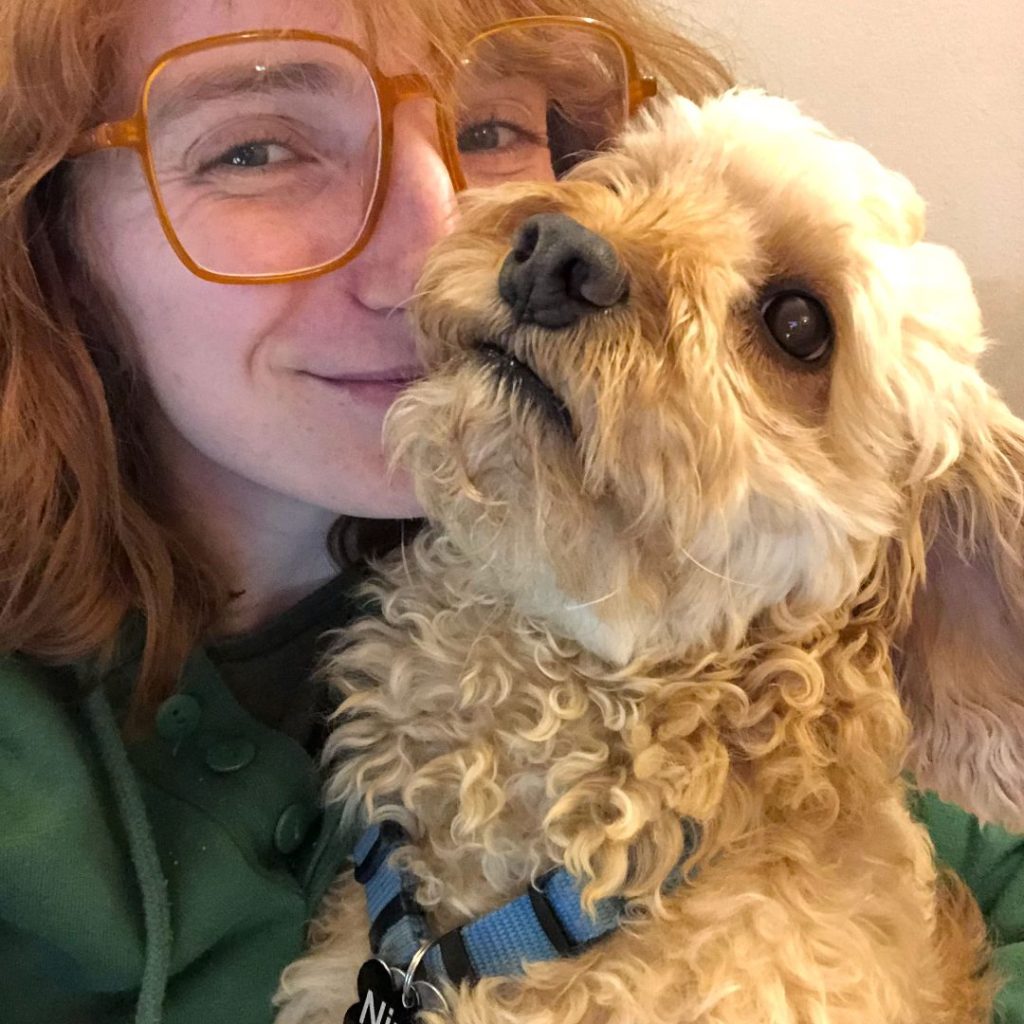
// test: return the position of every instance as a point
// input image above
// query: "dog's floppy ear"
(960, 661)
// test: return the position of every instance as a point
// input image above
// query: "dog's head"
(712, 380)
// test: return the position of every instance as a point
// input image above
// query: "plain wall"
(935, 88)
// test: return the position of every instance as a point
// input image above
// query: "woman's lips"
(373, 390)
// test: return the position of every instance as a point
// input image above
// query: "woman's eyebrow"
(226, 82)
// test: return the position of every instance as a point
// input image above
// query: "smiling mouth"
(524, 382)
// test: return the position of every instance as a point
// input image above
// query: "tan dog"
(700, 419)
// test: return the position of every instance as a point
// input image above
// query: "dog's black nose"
(558, 271)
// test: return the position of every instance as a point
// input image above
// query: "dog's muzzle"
(559, 272)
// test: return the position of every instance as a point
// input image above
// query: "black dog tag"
(380, 997)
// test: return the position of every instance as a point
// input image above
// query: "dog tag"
(380, 997)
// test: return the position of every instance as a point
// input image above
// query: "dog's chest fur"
(505, 753)
(482, 744)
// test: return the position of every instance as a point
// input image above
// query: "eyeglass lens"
(266, 154)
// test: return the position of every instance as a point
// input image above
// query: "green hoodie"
(171, 879)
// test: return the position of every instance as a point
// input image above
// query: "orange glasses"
(268, 153)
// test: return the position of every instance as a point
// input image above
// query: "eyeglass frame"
(132, 132)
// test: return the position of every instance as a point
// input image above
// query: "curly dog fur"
(688, 603)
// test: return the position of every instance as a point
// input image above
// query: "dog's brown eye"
(799, 325)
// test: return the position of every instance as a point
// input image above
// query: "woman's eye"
(493, 135)
(799, 324)
(256, 154)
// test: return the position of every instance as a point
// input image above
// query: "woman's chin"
(386, 494)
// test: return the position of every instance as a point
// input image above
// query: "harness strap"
(544, 923)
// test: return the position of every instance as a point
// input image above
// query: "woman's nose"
(417, 211)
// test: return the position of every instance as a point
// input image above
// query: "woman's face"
(278, 389)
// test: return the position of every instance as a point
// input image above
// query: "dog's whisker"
(711, 572)
(405, 560)
(590, 604)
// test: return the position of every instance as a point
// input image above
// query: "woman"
(196, 354)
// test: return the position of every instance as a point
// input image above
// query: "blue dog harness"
(545, 923)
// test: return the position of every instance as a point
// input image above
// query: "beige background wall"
(936, 89)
